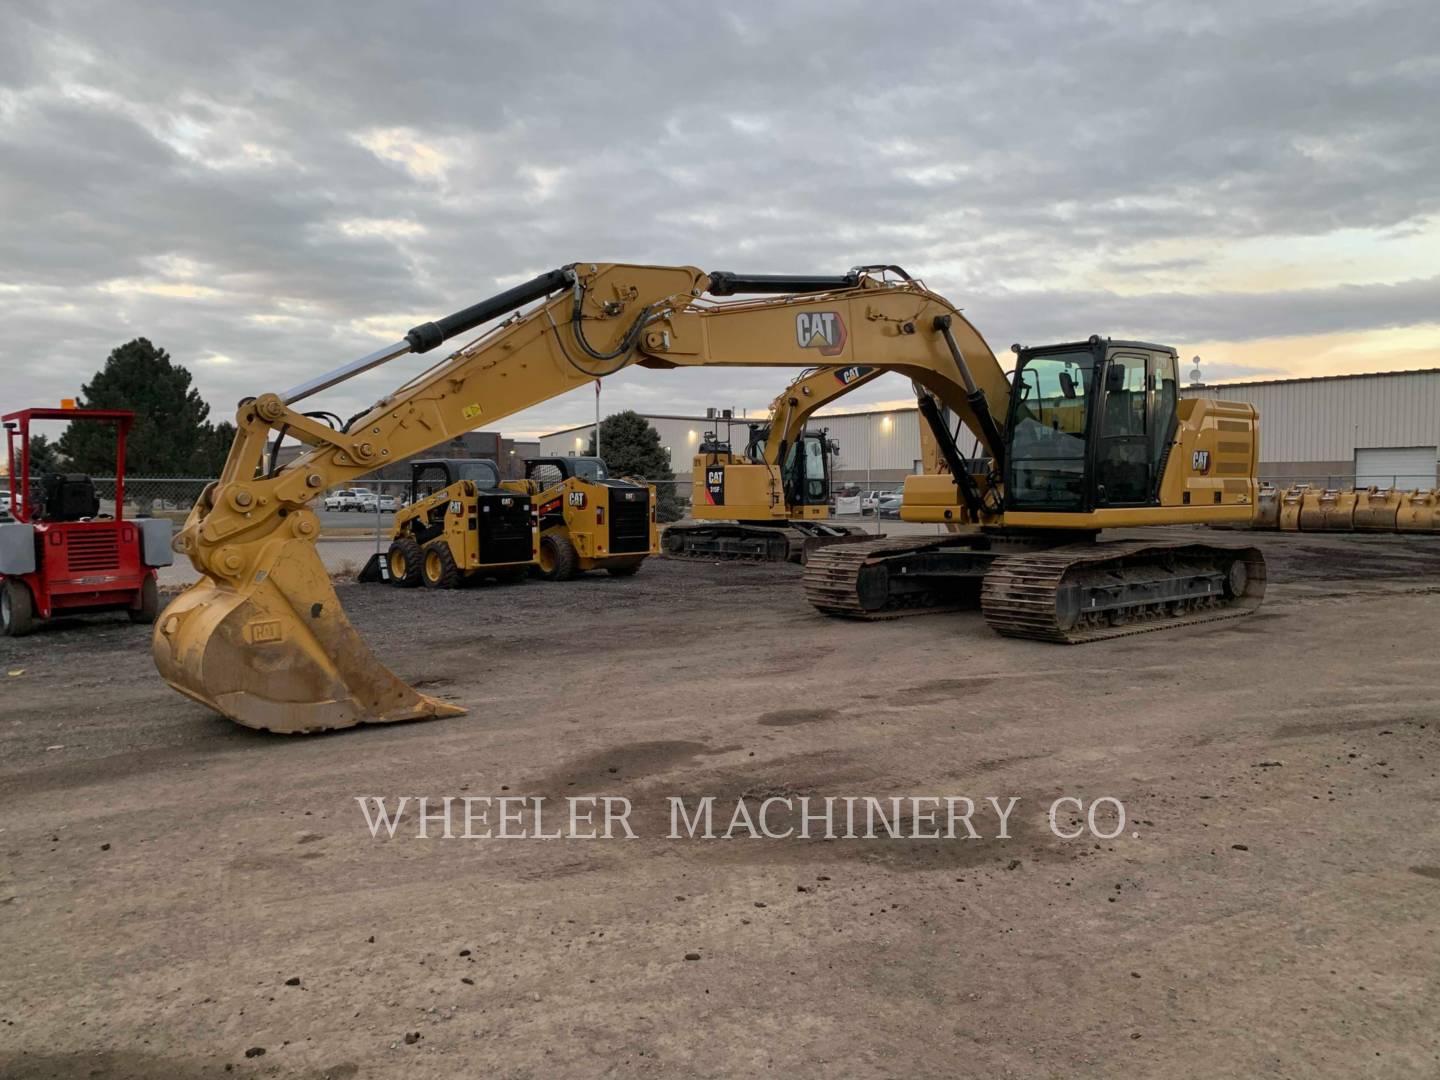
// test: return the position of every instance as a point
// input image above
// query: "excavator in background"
(770, 503)
(1087, 435)
(590, 520)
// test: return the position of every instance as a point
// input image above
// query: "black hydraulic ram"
(428, 335)
(724, 283)
(969, 490)
(979, 405)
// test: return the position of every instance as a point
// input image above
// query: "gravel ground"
(183, 898)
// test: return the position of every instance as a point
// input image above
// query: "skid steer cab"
(590, 520)
(61, 552)
(461, 525)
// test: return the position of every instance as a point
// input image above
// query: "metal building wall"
(875, 442)
(1317, 424)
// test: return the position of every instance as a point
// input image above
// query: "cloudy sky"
(269, 189)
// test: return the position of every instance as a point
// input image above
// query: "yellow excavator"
(771, 502)
(1087, 435)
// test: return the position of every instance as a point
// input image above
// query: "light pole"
(869, 456)
(597, 418)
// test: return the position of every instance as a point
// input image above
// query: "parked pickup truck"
(343, 499)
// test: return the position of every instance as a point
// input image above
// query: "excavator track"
(755, 543)
(1093, 592)
(1070, 594)
(852, 581)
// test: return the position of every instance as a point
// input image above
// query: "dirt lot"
(1270, 908)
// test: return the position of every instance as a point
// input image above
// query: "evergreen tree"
(214, 448)
(631, 446)
(170, 431)
(44, 457)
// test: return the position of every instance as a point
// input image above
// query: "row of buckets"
(1304, 508)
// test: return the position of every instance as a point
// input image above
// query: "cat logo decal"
(823, 330)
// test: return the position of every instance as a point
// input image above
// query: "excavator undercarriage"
(1043, 588)
(743, 541)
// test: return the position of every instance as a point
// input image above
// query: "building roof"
(1312, 379)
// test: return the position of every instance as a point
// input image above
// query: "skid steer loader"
(462, 524)
(590, 520)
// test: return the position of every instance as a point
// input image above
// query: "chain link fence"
(1347, 481)
(366, 510)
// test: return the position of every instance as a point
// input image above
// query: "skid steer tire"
(625, 570)
(149, 604)
(17, 608)
(558, 561)
(404, 558)
(438, 569)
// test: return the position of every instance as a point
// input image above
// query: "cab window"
(1050, 415)
(482, 473)
(589, 469)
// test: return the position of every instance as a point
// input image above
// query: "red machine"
(60, 555)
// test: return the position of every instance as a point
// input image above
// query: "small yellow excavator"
(1086, 435)
(590, 520)
(462, 524)
(771, 502)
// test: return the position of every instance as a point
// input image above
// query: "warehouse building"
(1336, 430)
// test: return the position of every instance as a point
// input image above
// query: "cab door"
(806, 472)
(1124, 462)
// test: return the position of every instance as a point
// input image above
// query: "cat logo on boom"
(823, 330)
(846, 376)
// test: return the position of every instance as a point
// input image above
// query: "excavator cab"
(1091, 424)
(806, 473)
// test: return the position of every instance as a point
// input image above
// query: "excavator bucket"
(278, 654)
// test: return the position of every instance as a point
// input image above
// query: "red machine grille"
(88, 551)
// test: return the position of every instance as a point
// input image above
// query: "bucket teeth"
(278, 653)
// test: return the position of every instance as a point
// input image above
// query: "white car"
(869, 500)
(369, 502)
(344, 499)
(889, 504)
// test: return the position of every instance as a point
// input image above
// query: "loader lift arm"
(261, 636)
